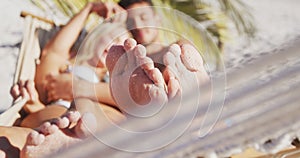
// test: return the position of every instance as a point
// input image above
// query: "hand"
(59, 87)
(108, 10)
(26, 89)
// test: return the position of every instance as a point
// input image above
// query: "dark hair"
(126, 3)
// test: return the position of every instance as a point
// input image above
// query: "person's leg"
(35, 119)
(12, 140)
(69, 128)
(94, 116)
(37, 112)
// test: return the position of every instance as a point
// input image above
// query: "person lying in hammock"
(149, 82)
(41, 105)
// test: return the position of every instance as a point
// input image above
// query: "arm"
(60, 87)
(99, 92)
(66, 37)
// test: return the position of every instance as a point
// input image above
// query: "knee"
(83, 104)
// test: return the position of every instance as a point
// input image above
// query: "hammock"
(234, 136)
(28, 58)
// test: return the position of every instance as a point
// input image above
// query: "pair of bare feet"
(134, 79)
(146, 84)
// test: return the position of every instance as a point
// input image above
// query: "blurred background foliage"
(215, 16)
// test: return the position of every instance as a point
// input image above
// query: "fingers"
(30, 87)
(26, 89)
(120, 15)
(59, 86)
(22, 88)
(113, 9)
(15, 91)
(50, 92)
(109, 9)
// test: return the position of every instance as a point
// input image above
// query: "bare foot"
(131, 72)
(54, 136)
(193, 62)
(42, 144)
(80, 126)
(26, 89)
(69, 129)
(184, 66)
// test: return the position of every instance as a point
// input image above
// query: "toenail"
(129, 43)
(140, 51)
(169, 59)
(175, 49)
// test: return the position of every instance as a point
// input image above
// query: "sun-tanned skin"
(52, 84)
(70, 128)
(54, 57)
(181, 61)
(175, 74)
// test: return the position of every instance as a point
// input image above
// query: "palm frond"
(187, 28)
(213, 17)
(240, 15)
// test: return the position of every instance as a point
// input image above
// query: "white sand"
(11, 30)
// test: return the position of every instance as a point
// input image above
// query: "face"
(142, 22)
(115, 37)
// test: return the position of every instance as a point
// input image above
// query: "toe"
(48, 128)
(73, 116)
(191, 58)
(158, 96)
(129, 44)
(173, 88)
(135, 55)
(34, 138)
(140, 51)
(169, 59)
(86, 125)
(175, 62)
(62, 122)
(175, 49)
(156, 76)
(131, 65)
(171, 70)
(171, 73)
(146, 63)
(173, 85)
